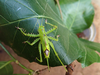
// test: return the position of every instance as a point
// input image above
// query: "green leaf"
(28, 14)
(89, 56)
(92, 45)
(77, 14)
(6, 68)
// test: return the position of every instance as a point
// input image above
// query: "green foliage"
(89, 56)
(28, 14)
(6, 68)
(77, 14)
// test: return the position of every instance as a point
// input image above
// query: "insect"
(44, 42)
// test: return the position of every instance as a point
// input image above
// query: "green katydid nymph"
(44, 42)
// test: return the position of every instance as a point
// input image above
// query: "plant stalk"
(59, 9)
(31, 71)
(7, 52)
(13, 59)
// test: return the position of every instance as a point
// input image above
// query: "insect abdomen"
(45, 46)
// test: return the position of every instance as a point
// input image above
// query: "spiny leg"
(26, 34)
(39, 47)
(55, 27)
(32, 42)
(55, 39)
(57, 55)
(50, 24)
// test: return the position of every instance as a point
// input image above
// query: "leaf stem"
(16, 61)
(7, 51)
(31, 71)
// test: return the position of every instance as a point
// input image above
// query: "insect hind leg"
(57, 55)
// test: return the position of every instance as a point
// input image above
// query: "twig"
(59, 8)
(70, 69)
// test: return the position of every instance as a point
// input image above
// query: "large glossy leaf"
(77, 14)
(5, 69)
(21, 13)
(27, 14)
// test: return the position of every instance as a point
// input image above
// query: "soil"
(93, 69)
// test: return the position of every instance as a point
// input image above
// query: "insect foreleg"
(57, 54)
(32, 42)
(55, 39)
(26, 34)
(55, 27)
(39, 46)
(50, 31)
(51, 24)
